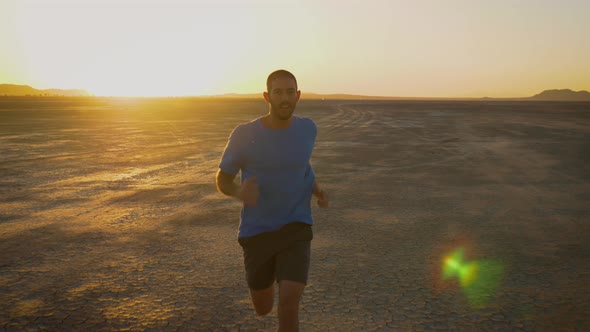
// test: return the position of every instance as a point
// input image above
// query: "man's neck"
(272, 122)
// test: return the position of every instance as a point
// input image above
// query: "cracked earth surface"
(110, 220)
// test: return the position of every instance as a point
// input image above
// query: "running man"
(277, 182)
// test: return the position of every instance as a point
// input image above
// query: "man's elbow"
(218, 182)
(222, 188)
(223, 182)
(218, 186)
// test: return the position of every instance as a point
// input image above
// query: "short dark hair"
(281, 73)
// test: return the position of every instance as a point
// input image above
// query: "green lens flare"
(478, 279)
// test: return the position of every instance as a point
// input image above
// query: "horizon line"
(315, 95)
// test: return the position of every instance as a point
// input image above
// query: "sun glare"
(118, 50)
(479, 279)
(200, 47)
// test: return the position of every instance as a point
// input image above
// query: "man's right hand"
(249, 191)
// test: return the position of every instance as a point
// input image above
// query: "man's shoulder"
(244, 128)
(306, 121)
(308, 125)
(250, 124)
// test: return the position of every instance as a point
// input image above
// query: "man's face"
(282, 97)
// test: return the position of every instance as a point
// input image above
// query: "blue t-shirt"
(280, 161)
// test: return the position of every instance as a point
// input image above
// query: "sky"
(420, 48)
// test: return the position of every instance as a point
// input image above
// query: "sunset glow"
(395, 48)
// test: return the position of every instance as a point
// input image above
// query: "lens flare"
(478, 279)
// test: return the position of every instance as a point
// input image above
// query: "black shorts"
(282, 255)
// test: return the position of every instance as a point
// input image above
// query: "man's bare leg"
(262, 299)
(289, 296)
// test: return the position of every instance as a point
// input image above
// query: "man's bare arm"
(316, 188)
(226, 185)
(322, 196)
(248, 192)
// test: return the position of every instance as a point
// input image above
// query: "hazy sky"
(452, 48)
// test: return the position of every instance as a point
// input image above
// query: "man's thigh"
(293, 262)
(283, 254)
(259, 266)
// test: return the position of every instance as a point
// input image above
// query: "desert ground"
(110, 219)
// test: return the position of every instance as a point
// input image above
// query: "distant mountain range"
(547, 95)
(562, 94)
(311, 95)
(25, 90)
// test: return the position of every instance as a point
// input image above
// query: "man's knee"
(262, 300)
(263, 310)
(290, 293)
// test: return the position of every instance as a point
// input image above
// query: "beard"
(279, 111)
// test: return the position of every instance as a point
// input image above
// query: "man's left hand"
(323, 199)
